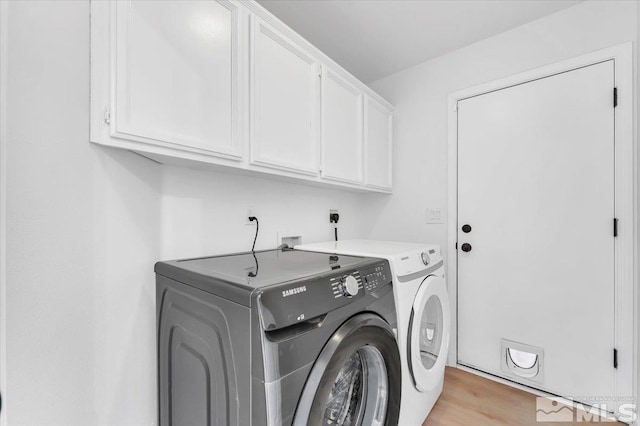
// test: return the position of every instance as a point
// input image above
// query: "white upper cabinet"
(284, 101)
(342, 129)
(225, 84)
(175, 75)
(378, 125)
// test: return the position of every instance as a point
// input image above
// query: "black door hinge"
(615, 97)
(615, 226)
(615, 358)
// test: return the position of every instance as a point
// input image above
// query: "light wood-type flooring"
(471, 400)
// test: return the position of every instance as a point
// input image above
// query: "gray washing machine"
(277, 337)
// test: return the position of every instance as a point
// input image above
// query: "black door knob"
(466, 247)
(466, 228)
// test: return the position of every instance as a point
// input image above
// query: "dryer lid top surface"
(236, 276)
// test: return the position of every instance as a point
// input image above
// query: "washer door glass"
(361, 383)
(431, 326)
(428, 339)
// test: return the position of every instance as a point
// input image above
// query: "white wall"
(85, 224)
(420, 96)
(82, 236)
(203, 212)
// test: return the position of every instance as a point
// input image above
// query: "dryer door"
(428, 337)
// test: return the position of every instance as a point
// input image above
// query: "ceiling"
(376, 38)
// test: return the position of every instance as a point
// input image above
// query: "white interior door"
(536, 187)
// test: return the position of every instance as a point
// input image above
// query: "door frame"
(626, 189)
(4, 8)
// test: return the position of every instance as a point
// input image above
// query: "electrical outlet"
(434, 216)
(289, 238)
(331, 215)
(250, 212)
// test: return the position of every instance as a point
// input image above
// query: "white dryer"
(423, 313)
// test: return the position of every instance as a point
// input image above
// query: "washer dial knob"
(350, 286)
(425, 258)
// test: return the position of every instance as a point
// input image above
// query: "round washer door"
(356, 379)
(429, 330)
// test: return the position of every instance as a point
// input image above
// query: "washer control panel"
(375, 277)
(347, 285)
(289, 303)
(416, 261)
(351, 286)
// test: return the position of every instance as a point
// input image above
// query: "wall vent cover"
(522, 361)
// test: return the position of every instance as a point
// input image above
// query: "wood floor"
(468, 399)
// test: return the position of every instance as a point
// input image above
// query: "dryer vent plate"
(522, 361)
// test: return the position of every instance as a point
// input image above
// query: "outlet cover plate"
(249, 212)
(434, 216)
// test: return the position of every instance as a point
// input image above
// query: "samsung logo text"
(292, 291)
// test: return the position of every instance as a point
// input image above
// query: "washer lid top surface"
(406, 258)
(368, 247)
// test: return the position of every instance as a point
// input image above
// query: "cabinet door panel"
(378, 145)
(176, 73)
(285, 101)
(342, 125)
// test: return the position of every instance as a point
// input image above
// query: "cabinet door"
(342, 128)
(284, 102)
(177, 74)
(378, 145)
